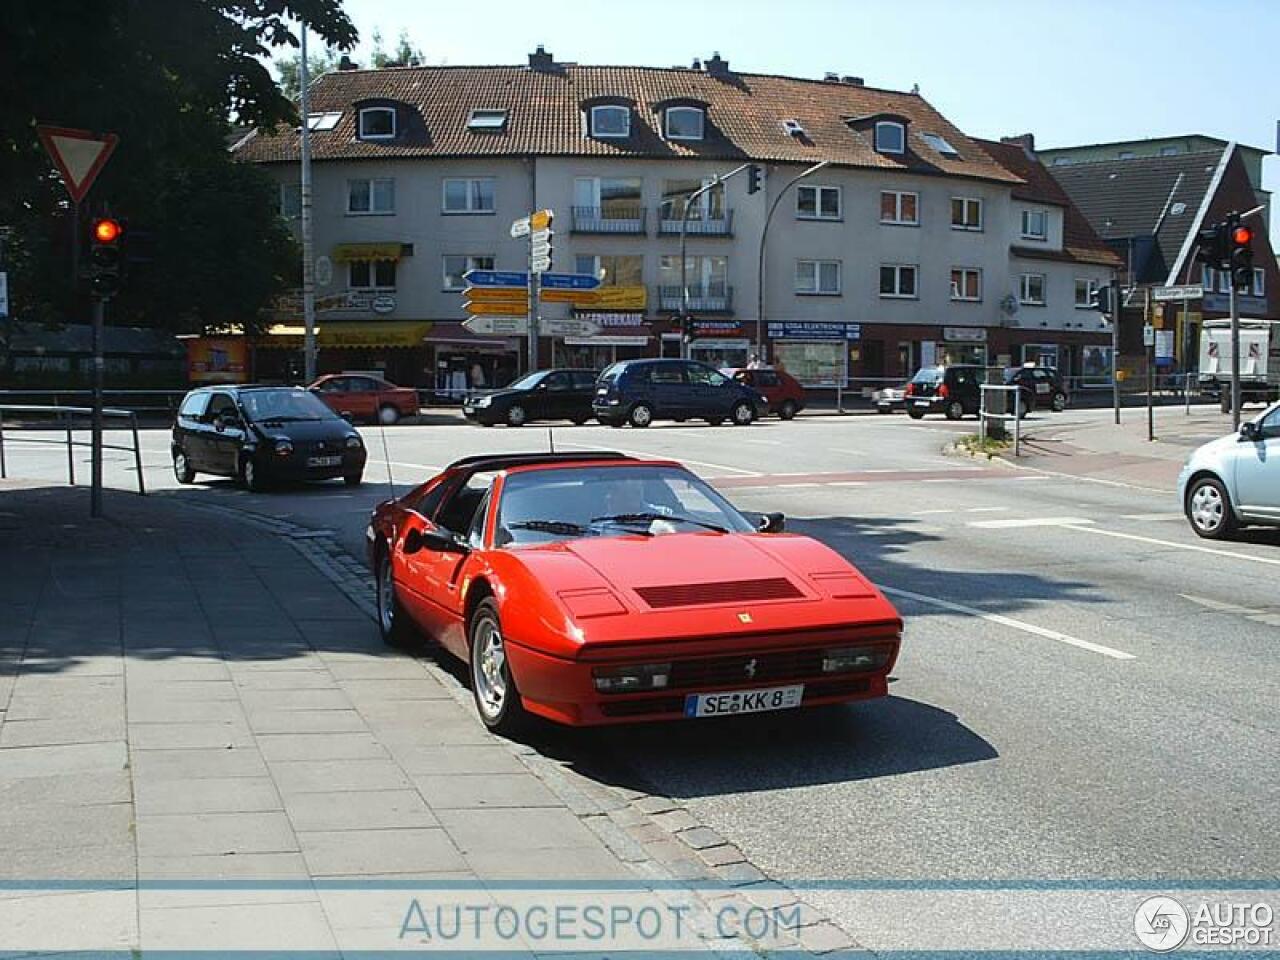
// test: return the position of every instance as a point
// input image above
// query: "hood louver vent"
(729, 591)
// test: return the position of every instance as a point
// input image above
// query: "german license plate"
(743, 701)
(323, 461)
(921, 403)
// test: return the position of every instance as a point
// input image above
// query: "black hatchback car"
(261, 434)
(1041, 387)
(541, 395)
(954, 390)
(639, 392)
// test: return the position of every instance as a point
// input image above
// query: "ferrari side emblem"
(750, 667)
(744, 617)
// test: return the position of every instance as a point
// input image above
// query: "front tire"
(387, 415)
(743, 414)
(788, 410)
(1209, 511)
(182, 471)
(353, 479)
(641, 415)
(516, 416)
(1059, 402)
(915, 414)
(955, 410)
(393, 623)
(251, 477)
(494, 689)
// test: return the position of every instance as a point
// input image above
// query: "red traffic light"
(1241, 236)
(106, 231)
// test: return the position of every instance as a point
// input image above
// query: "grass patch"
(975, 446)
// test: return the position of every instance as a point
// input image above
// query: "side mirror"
(226, 419)
(771, 523)
(347, 416)
(435, 540)
(1249, 431)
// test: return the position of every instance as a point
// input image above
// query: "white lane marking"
(792, 486)
(1014, 523)
(847, 483)
(1004, 621)
(1049, 477)
(852, 453)
(650, 455)
(926, 513)
(1270, 561)
(1150, 516)
(765, 443)
(987, 510)
(413, 466)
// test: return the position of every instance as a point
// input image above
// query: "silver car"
(1235, 481)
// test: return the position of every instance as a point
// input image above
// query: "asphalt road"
(1086, 691)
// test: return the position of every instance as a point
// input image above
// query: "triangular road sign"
(78, 154)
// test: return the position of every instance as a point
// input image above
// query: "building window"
(685, 123)
(371, 196)
(610, 122)
(468, 195)
(1207, 278)
(940, 144)
(372, 275)
(902, 208)
(708, 276)
(1224, 281)
(1259, 288)
(966, 284)
(456, 267)
(1168, 151)
(607, 198)
(818, 277)
(709, 206)
(1061, 161)
(483, 118)
(1035, 225)
(1085, 290)
(966, 213)
(897, 280)
(377, 123)
(890, 137)
(1125, 155)
(626, 270)
(818, 203)
(1031, 290)
(291, 200)
(323, 122)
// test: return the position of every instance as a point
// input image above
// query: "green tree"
(168, 77)
(404, 55)
(290, 69)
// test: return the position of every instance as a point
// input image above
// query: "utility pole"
(764, 233)
(1149, 334)
(95, 488)
(698, 194)
(308, 250)
(1235, 357)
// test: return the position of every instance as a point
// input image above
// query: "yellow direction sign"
(621, 298)
(541, 220)
(580, 298)
(496, 294)
(496, 308)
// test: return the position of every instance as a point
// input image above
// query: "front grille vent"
(726, 591)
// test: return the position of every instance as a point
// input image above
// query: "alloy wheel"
(1207, 508)
(489, 668)
(516, 416)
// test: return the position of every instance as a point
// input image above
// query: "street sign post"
(497, 326)
(496, 294)
(1190, 291)
(571, 327)
(497, 308)
(496, 278)
(519, 228)
(4, 294)
(570, 281)
(80, 156)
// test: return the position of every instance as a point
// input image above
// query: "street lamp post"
(764, 233)
(308, 246)
(684, 231)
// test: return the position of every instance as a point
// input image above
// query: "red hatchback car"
(365, 397)
(598, 589)
(786, 395)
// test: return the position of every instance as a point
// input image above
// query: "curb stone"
(651, 833)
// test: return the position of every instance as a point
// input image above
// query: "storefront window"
(813, 364)
(721, 354)
(1097, 367)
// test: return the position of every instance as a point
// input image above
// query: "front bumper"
(564, 690)
(296, 468)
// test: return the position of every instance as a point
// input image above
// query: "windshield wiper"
(549, 526)
(626, 518)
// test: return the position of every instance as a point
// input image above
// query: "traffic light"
(106, 257)
(686, 326)
(1211, 246)
(1241, 257)
(1100, 300)
(753, 178)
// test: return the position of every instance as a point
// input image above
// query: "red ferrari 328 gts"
(597, 588)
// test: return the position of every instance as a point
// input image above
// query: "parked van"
(1259, 359)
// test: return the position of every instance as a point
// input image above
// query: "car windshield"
(529, 380)
(284, 404)
(928, 375)
(539, 506)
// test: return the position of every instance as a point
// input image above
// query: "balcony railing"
(616, 218)
(709, 298)
(702, 223)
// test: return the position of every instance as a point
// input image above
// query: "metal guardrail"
(140, 401)
(64, 420)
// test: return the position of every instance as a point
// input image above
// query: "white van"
(1259, 358)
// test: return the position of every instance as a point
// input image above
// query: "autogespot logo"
(1161, 924)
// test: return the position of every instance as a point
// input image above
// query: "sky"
(1069, 71)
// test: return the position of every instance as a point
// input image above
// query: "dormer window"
(685, 123)
(323, 121)
(484, 118)
(891, 137)
(610, 122)
(940, 144)
(793, 128)
(377, 123)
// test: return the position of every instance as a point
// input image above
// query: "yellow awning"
(366, 251)
(349, 334)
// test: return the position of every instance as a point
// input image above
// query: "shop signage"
(717, 328)
(965, 334)
(615, 319)
(501, 326)
(814, 330)
(575, 327)
(346, 252)
(1244, 303)
(1191, 291)
(383, 304)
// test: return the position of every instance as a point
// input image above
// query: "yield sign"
(79, 155)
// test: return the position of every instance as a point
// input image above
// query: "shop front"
(719, 343)
(816, 353)
(457, 361)
(622, 336)
(963, 345)
(1085, 358)
(392, 349)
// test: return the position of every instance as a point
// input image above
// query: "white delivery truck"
(1259, 359)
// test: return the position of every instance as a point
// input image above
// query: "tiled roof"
(545, 117)
(1080, 242)
(1124, 199)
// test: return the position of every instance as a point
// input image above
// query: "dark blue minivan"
(639, 392)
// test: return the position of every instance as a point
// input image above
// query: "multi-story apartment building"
(912, 245)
